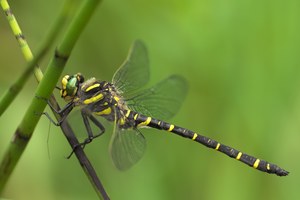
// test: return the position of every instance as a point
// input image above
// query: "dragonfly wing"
(127, 146)
(134, 72)
(161, 101)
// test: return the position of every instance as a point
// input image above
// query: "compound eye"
(69, 87)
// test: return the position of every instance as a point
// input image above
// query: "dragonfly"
(130, 107)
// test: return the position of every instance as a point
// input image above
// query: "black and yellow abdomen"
(142, 120)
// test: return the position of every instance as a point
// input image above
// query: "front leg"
(64, 112)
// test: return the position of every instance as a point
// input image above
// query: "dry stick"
(81, 156)
(20, 139)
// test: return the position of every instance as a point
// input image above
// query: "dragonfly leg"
(98, 124)
(86, 115)
(64, 112)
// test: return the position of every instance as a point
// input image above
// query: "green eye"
(69, 86)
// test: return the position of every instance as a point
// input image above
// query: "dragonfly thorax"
(100, 98)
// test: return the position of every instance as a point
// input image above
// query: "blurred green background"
(242, 62)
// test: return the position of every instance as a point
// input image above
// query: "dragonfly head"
(70, 85)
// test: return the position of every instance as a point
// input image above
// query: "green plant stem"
(17, 86)
(67, 130)
(24, 131)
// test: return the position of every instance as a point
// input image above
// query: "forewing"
(126, 147)
(134, 72)
(161, 101)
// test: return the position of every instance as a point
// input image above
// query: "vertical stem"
(32, 65)
(25, 129)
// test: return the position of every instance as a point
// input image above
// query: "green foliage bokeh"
(241, 61)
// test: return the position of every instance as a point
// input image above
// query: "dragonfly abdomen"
(142, 120)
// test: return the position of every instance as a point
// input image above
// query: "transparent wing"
(126, 147)
(161, 101)
(134, 72)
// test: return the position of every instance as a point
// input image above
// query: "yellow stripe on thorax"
(93, 99)
(106, 111)
(145, 123)
(92, 87)
(127, 113)
(121, 121)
